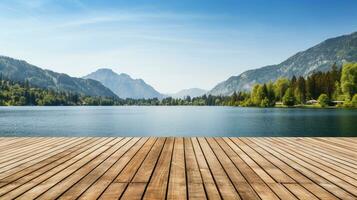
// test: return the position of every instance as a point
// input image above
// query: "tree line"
(334, 87)
(337, 86)
(13, 93)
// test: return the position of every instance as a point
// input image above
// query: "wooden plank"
(318, 151)
(113, 191)
(258, 184)
(18, 143)
(109, 177)
(136, 188)
(10, 143)
(347, 151)
(327, 150)
(240, 183)
(18, 154)
(38, 155)
(295, 157)
(223, 182)
(97, 163)
(23, 145)
(131, 169)
(20, 184)
(34, 189)
(178, 168)
(120, 157)
(296, 175)
(35, 165)
(300, 192)
(330, 150)
(144, 172)
(207, 177)
(20, 167)
(312, 175)
(339, 143)
(323, 158)
(177, 179)
(318, 191)
(9, 155)
(157, 186)
(134, 191)
(6, 140)
(281, 191)
(194, 179)
(351, 140)
(278, 175)
(315, 161)
(257, 169)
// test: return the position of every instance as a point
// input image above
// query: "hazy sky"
(170, 44)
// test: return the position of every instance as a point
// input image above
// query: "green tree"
(323, 100)
(311, 88)
(335, 73)
(259, 93)
(234, 99)
(300, 90)
(255, 95)
(271, 94)
(337, 94)
(280, 86)
(349, 79)
(293, 82)
(289, 98)
(265, 103)
(354, 101)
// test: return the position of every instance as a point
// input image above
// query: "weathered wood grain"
(177, 168)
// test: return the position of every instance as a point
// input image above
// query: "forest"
(337, 87)
(23, 94)
(334, 88)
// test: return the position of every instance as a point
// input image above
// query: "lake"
(175, 121)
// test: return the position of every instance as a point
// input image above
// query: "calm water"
(175, 121)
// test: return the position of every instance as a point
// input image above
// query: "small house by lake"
(312, 102)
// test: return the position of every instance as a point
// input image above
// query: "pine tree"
(300, 90)
(289, 98)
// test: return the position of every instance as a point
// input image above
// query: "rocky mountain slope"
(19, 70)
(318, 58)
(123, 85)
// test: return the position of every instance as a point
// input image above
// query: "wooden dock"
(178, 168)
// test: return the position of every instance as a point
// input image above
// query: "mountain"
(19, 70)
(318, 58)
(123, 85)
(192, 92)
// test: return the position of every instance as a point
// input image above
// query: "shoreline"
(277, 106)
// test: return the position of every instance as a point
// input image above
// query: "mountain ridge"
(123, 85)
(320, 57)
(192, 92)
(20, 70)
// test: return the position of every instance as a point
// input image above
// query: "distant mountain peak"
(108, 71)
(123, 85)
(192, 92)
(105, 70)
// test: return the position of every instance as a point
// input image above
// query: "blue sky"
(172, 45)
